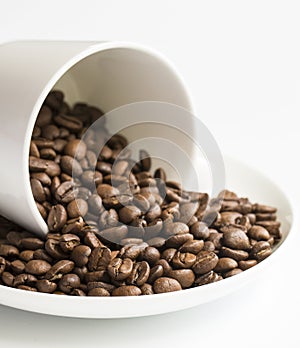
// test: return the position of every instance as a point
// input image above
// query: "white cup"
(107, 74)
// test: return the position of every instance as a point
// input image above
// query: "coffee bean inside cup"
(117, 227)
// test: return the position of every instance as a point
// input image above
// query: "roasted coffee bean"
(155, 273)
(246, 264)
(168, 254)
(260, 208)
(68, 242)
(172, 234)
(80, 255)
(236, 239)
(54, 250)
(273, 227)
(185, 277)
(99, 259)
(114, 234)
(192, 246)
(32, 243)
(26, 255)
(237, 255)
(205, 262)
(76, 208)
(140, 274)
(14, 238)
(151, 255)
(183, 260)
(261, 250)
(37, 190)
(70, 166)
(258, 233)
(66, 192)
(232, 272)
(57, 217)
(207, 278)
(120, 269)
(200, 230)
(60, 268)
(165, 284)
(147, 289)
(175, 228)
(8, 251)
(178, 240)
(127, 290)
(69, 282)
(225, 264)
(215, 237)
(37, 267)
(98, 292)
(17, 266)
(70, 122)
(40, 254)
(129, 213)
(44, 285)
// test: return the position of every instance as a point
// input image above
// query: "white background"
(241, 61)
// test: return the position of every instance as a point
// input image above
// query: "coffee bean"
(44, 116)
(165, 284)
(76, 148)
(32, 243)
(80, 255)
(44, 285)
(200, 230)
(69, 282)
(98, 292)
(225, 264)
(70, 122)
(71, 166)
(232, 272)
(140, 274)
(151, 255)
(261, 250)
(237, 255)
(68, 242)
(205, 262)
(192, 246)
(147, 289)
(120, 269)
(236, 239)
(207, 278)
(185, 277)
(57, 217)
(183, 260)
(246, 264)
(76, 208)
(37, 267)
(129, 213)
(178, 240)
(260, 208)
(258, 233)
(8, 251)
(127, 290)
(58, 269)
(176, 228)
(99, 259)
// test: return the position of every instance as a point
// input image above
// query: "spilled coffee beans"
(116, 229)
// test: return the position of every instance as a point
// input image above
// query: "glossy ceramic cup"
(107, 74)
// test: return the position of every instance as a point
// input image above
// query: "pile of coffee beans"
(116, 228)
